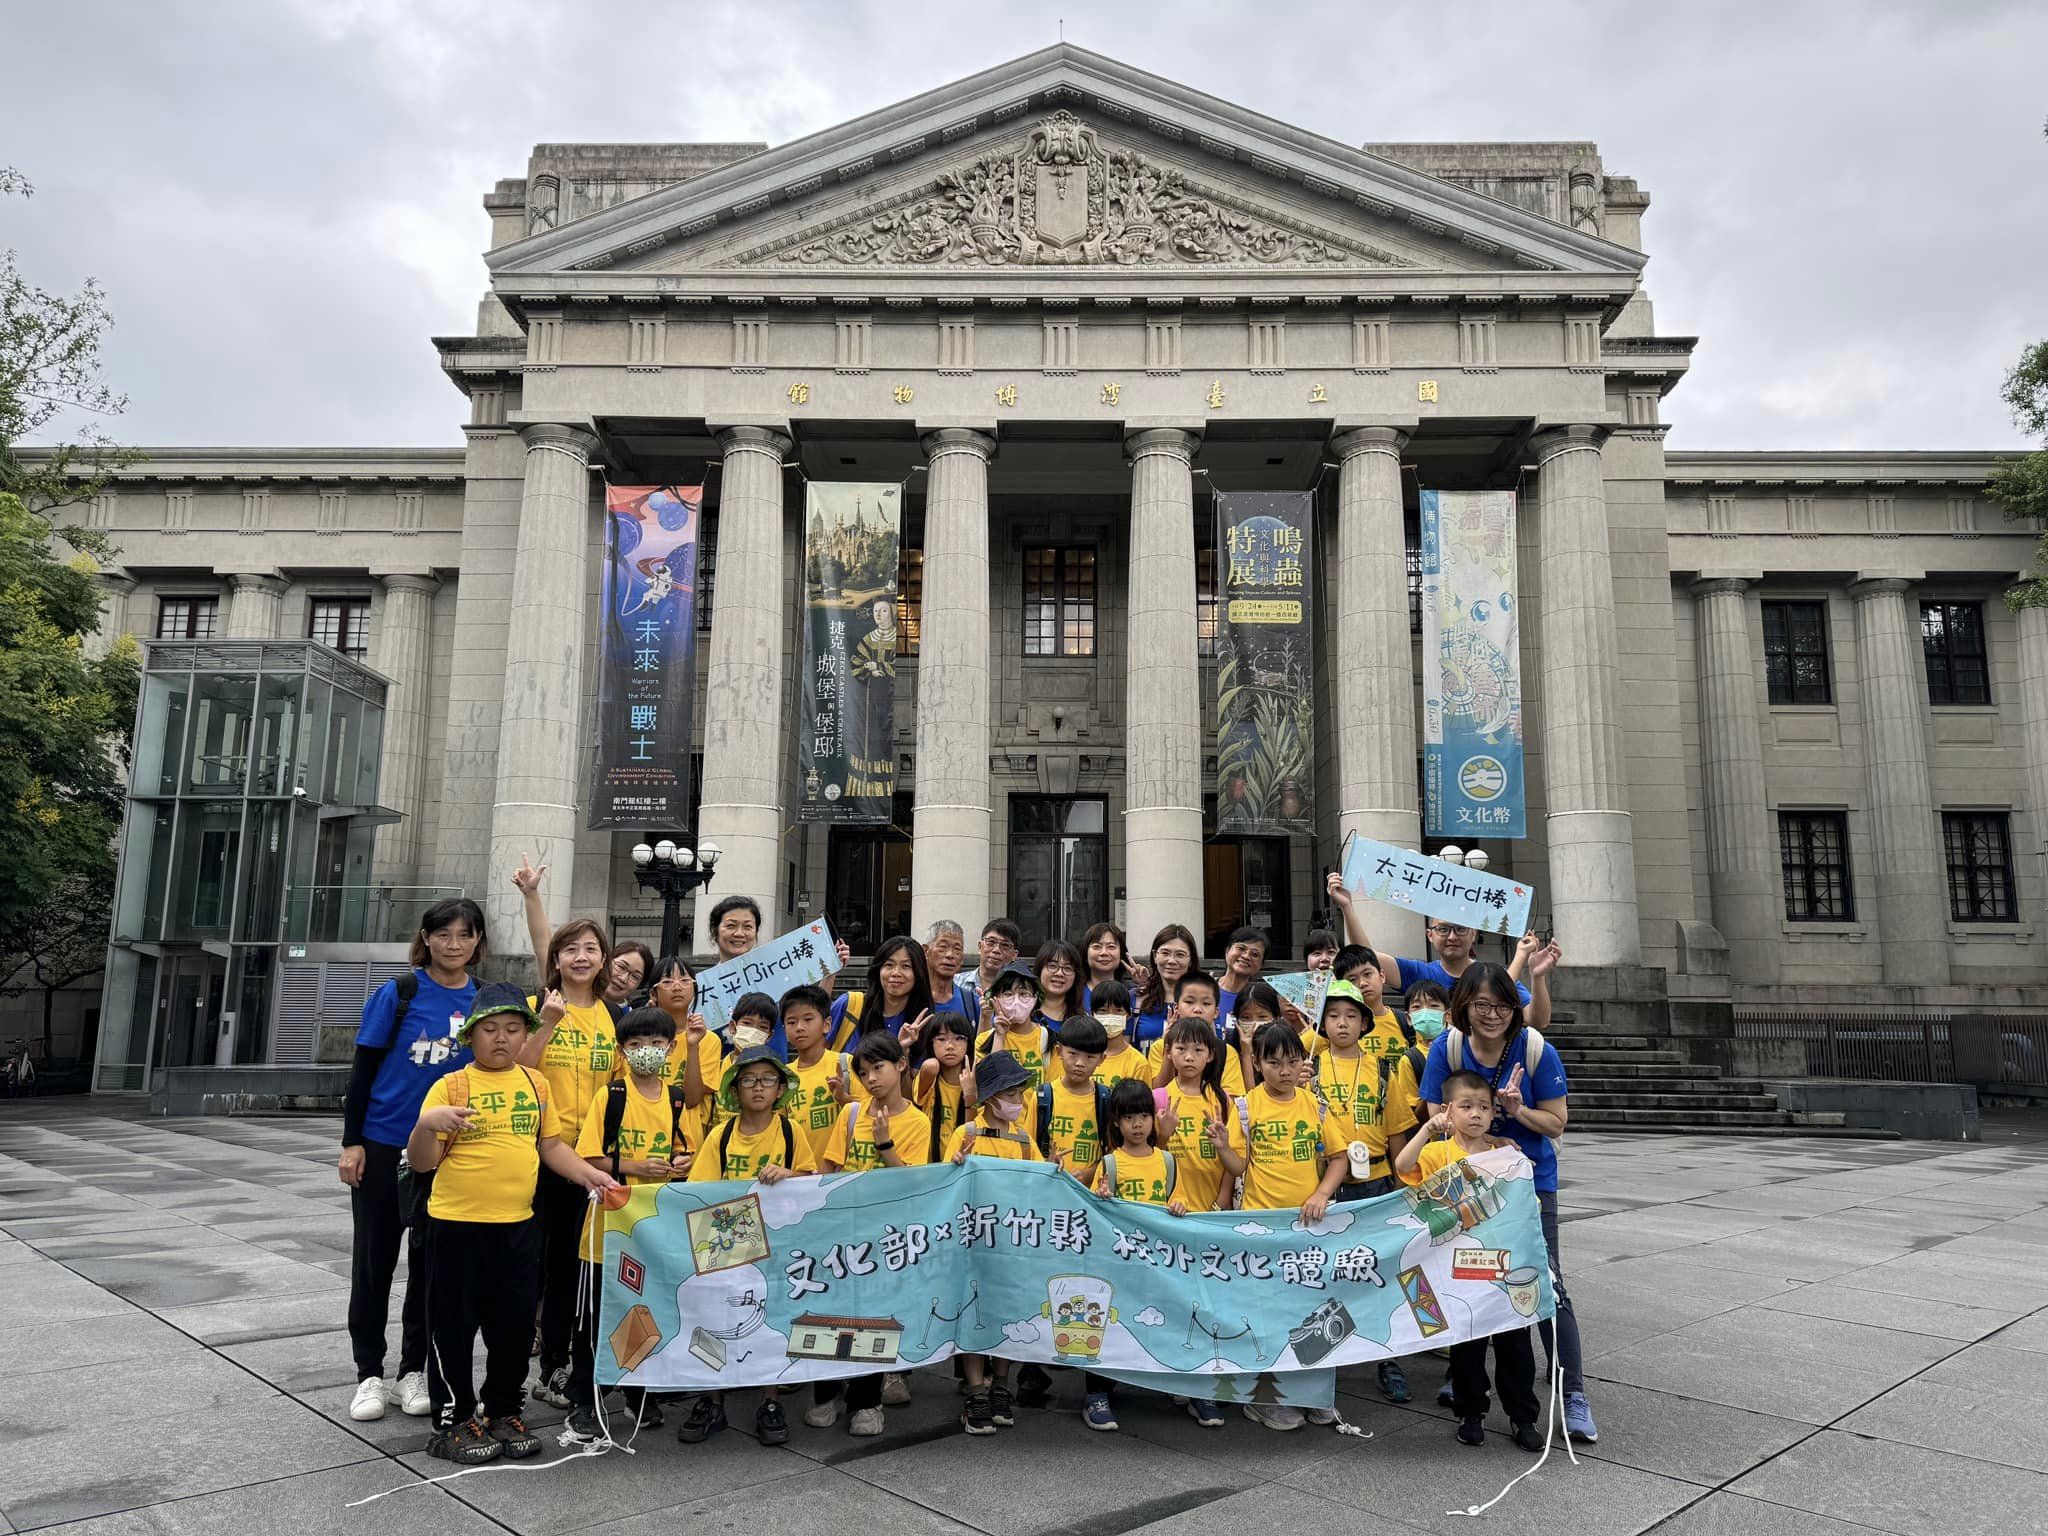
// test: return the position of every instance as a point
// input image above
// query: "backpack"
(408, 988)
(615, 1116)
(1532, 1052)
(1045, 1118)
(1416, 1058)
(849, 1018)
(458, 1091)
(732, 1124)
(1172, 1172)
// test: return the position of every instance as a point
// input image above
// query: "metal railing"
(1909, 1045)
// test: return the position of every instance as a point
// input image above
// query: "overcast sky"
(282, 198)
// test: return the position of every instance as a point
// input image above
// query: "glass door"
(1059, 866)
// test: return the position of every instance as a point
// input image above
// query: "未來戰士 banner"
(1471, 667)
(1265, 684)
(646, 665)
(846, 733)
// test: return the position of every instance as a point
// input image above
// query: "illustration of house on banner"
(815, 1336)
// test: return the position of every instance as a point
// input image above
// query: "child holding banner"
(1452, 942)
(1426, 1003)
(1000, 1082)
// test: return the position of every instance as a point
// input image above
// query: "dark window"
(909, 600)
(1813, 849)
(707, 568)
(1205, 601)
(1059, 866)
(1952, 635)
(1980, 886)
(1796, 653)
(187, 618)
(342, 622)
(1059, 601)
(1414, 589)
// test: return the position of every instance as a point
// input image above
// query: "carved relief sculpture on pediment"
(1066, 200)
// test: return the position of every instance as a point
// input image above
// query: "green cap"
(497, 997)
(1349, 992)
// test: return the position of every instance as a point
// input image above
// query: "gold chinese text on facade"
(903, 394)
(799, 394)
(1064, 199)
(1112, 393)
(1317, 395)
(1215, 394)
(1426, 391)
(1006, 394)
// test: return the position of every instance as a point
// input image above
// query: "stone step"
(1815, 1132)
(1705, 1120)
(1571, 1042)
(1577, 1071)
(1670, 1060)
(1667, 1096)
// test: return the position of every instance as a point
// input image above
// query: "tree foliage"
(2020, 486)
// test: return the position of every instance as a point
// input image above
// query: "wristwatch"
(885, 1146)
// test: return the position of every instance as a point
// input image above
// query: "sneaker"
(1393, 1381)
(705, 1419)
(370, 1400)
(1445, 1398)
(822, 1415)
(465, 1443)
(978, 1417)
(650, 1413)
(582, 1428)
(1034, 1384)
(1274, 1415)
(865, 1422)
(770, 1427)
(895, 1390)
(1000, 1408)
(1578, 1418)
(553, 1388)
(510, 1431)
(1207, 1414)
(1322, 1418)
(1096, 1412)
(1471, 1432)
(412, 1395)
(1527, 1438)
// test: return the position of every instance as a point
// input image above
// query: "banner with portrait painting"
(1265, 682)
(1471, 667)
(846, 737)
(647, 658)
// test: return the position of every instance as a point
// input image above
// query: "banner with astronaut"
(647, 658)
(846, 733)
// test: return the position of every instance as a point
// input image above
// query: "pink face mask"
(1005, 1112)
(1013, 1007)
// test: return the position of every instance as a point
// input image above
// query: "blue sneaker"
(1096, 1412)
(1393, 1381)
(1578, 1418)
(1207, 1414)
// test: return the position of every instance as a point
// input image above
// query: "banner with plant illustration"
(846, 735)
(1265, 709)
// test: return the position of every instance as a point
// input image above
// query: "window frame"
(1804, 899)
(1944, 695)
(909, 600)
(706, 576)
(1790, 652)
(1067, 610)
(349, 605)
(207, 603)
(1208, 603)
(1971, 874)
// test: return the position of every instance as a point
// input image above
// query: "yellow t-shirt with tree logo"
(1141, 1176)
(1286, 1148)
(487, 1168)
(578, 1059)
(909, 1128)
(643, 1137)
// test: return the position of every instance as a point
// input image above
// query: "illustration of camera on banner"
(1080, 1311)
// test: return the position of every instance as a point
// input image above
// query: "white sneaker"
(412, 1394)
(822, 1415)
(1321, 1416)
(867, 1422)
(1274, 1415)
(370, 1400)
(895, 1391)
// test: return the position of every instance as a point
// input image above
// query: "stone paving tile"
(1275, 1507)
(1683, 1437)
(91, 1343)
(1730, 1514)
(208, 1274)
(2029, 1333)
(1900, 1488)
(1881, 1309)
(807, 1500)
(311, 1504)
(1988, 1417)
(41, 1294)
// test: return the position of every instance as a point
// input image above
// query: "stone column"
(114, 589)
(542, 729)
(1912, 896)
(254, 605)
(1741, 854)
(1162, 697)
(404, 644)
(1375, 692)
(743, 704)
(949, 876)
(2033, 625)
(1592, 852)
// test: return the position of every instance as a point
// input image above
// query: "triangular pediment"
(1063, 160)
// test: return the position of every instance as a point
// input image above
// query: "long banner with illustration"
(1265, 647)
(731, 1285)
(646, 662)
(846, 733)
(1471, 667)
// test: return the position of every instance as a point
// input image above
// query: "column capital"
(402, 581)
(944, 440)
(756, 440)
(1721, 586)
(1549, 442)
(1866, 588)
(270, 584)
(580, 442)
(1181, 442)
(1348, 445)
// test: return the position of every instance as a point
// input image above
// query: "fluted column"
(1741, 861)
(404, 644)
(1162, 699)
(1592, 850)
(1375, 706)
(743, 704)
(114, 589)
(2033, 626)
(254, 605)
(542, 729)
(949, 876)
(1912, 909)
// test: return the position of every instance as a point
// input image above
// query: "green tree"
(2021, 485)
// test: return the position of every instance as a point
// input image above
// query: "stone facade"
(1063, 300)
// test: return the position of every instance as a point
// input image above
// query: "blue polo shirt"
(419, 1052)
(1413, 971)
(1549, 1083)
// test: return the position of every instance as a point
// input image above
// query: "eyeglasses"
(1491, 1010)
(1445, 930)
(757, 1082)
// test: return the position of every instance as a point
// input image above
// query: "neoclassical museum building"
(1785, 741)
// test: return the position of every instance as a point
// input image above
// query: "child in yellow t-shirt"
(1009, 1006)
(1121, 1060)
(1197, 1117)
(825, 1083)
(1427, 1003)
(1196, 996)
(1463, 1122)
(485, 1132)
(754, 1140)
(998, 1092)
(939, 1050)
(1069, 1122)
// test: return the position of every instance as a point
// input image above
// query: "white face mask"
(1013, 1007)
(746, 1035)
(647, 1060)
(1112, 1024)
(1005, 1112)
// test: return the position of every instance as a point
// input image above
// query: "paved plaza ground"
(1782, 1336)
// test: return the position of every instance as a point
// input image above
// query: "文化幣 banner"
(647, 650)
(1471, 667)
(1265, 705)
(846, 738)
(719, 1285)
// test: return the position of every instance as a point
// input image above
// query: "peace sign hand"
(1509, 1099)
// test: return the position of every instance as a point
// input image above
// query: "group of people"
(483, 1120)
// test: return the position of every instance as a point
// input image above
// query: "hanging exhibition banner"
(846, 737)
(1471, 667)
(1265, 706)
(801, 957)
(647, 651)
(1420, 882)
(708, 1286)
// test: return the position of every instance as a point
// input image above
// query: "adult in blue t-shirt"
(407, 1042)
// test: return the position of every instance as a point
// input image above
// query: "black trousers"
(1514, 1376)
(583, 1347)
(385, 1218)
(482, 1279)
(560, 1207)
(861, 1392)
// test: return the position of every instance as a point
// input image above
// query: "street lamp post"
(672, 871)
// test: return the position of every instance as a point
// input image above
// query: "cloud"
(1030, 1331)
(787, 1203)
(1151, 1317)
(1252, 1229)
(1334, 1221)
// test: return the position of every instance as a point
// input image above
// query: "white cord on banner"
(1549, 1436)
